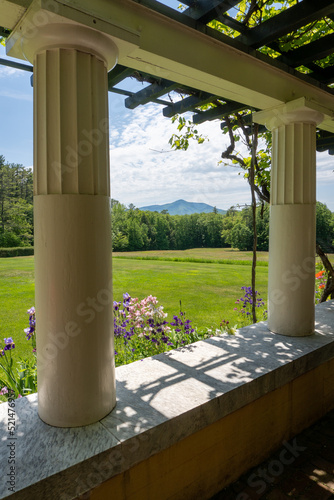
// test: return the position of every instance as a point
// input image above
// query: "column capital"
(301, 110)
(69, 36)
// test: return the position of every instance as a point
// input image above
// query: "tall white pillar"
(75, 353)
(291, 278)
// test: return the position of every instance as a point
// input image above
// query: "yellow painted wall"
(202, 464)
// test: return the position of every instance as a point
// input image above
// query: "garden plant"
(141, 329)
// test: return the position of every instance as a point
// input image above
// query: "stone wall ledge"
(160, 401)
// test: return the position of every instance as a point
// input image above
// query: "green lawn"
(207, 291)
(17, 296)
(196, 253)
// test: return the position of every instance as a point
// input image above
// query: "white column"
(291, 278)
(75, 353)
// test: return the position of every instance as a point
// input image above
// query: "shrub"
(16, 251)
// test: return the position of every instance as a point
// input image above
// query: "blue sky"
(144, 170)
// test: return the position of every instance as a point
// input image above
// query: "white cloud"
(16, 95)
(325, 168)
(144, 170)
(7, 71)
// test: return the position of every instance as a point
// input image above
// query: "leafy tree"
(241, 237)
(120, 240)
(262, 224)
(135, 236)
(16, 210)
(162, 233)
(325, 227)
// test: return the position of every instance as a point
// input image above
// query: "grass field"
(17, 296)
(218, 255)
(208, 290)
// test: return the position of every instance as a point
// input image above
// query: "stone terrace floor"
(302, 469)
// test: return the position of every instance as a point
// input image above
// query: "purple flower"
(29, 332)
(9, 344)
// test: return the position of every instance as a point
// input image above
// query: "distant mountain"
(182, 207)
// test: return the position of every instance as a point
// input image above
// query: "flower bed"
(141, 330)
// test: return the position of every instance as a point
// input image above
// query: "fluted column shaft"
(291, 279)
(292, 230)
(75, 353)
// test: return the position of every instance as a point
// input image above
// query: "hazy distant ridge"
(182, 207)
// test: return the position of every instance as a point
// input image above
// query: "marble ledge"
(160, 401)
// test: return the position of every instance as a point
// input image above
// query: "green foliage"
(137, 230)
(19, 377)
(237, 228)
(241, 237)
(134, 230)
(16, 209)
(325, 227)
(16, 251)
(181, 142)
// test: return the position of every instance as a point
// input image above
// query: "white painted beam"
(149, 41)
(11, 12)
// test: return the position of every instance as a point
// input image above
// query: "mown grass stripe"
(193, 259)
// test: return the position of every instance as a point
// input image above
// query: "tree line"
(134, 229)
(16, 205)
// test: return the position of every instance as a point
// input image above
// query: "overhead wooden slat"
(325, 141)
(118, 74)
(206, 10)
(318, 49)
(218, 112)
(149, 93)
(130, 94)
(287, 21)
(188, 104)
(247, 120)
(230, 22)
(190, 3)
(4, 32)
(16, 65)
(324, 75)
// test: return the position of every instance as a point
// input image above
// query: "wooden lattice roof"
(296, 36)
